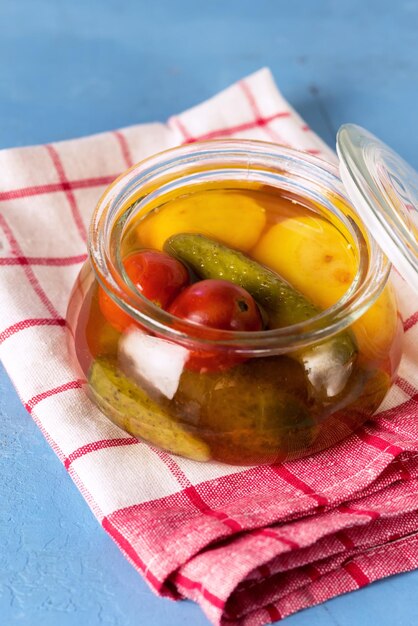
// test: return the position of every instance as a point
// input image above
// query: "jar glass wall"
(331, 341)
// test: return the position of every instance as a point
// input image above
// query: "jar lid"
(384, 191)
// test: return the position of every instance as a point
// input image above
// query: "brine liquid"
(265, 409)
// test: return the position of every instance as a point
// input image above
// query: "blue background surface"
(69, 68)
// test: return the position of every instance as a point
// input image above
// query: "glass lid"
(384, 190)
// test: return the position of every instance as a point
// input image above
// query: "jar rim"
(369, 282)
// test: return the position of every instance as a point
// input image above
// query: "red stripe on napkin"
(98, 445)
(68, 191)
(73, 384)
(37, 287)
(48, 188)
(57, 261)
(357, 574)
(126, 153)
(24, 324)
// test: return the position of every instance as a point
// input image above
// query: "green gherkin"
(255, 412)
(131, 408)
(211, 259)
(328, 364)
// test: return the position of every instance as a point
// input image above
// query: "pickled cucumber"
(258, 411)
(133, 410)
(328, 364)
(211, 259)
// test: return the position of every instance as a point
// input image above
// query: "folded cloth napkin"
(249, 544)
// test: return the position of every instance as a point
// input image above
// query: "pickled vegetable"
(156, 275)
(284, 305)
(218, 304)
(211, 259)
(220, 401)
(209, 213)
(257, 411)
(131, 408)
(312, 255)
(320, 261)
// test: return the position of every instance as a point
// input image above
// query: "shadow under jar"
(331, 341)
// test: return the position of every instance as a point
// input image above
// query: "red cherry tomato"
(216, 304)
(157, 275)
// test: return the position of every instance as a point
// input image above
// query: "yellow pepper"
(229, 216)
(321, 262)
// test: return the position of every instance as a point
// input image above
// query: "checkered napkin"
(249, 544)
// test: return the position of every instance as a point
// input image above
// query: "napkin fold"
(251, 545)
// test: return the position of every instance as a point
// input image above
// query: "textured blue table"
(76, 67)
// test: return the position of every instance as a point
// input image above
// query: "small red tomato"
(216, 304)
(157, 275)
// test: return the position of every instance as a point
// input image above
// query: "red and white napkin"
(250, 545)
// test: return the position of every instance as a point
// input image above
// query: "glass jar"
(256, 397)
